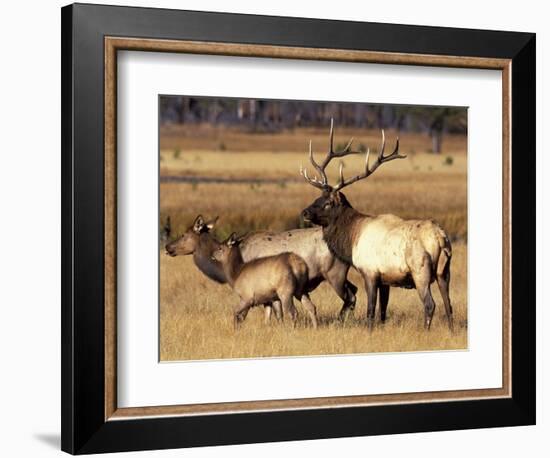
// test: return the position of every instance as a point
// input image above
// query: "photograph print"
(310, 228)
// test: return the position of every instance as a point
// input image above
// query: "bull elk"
(306, 243)
(274, 278)
(385, 249)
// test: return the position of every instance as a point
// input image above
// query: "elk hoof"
(344, 315)
(451, 325)
(237, 320)
(370, 324)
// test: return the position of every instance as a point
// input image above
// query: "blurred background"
(275, 116)
(240, 158)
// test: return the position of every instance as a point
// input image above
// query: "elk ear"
(198, 224)
(240, 238)
(210, 225)
(336, 197)
(232, 240)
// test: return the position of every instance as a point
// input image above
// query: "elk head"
(187, 243)
(332, 202)
(221, 254)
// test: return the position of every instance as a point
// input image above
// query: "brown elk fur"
(280, 277)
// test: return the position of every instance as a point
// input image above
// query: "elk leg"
(288, 305)
(267, 313)
(443, 281)
(276, 305)
(344, 288)
(244, 314)
(372, 290)
(310, 308)
(425, 294)
(384, 292)
(349, 299)
(240, 312)
(422, 276)
(429, 308)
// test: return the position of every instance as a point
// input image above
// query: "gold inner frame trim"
(114, 44)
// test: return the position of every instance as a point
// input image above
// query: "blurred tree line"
(258, 115)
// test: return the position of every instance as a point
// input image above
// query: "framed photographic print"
(281, 228)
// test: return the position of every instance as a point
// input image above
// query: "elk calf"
(279, 277)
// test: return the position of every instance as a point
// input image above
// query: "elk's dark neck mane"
(340, 234)
(202, 258)
(233, 266)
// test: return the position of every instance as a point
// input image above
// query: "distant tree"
(445, 119)
(274, 115)
(435, 121)
(436, 128)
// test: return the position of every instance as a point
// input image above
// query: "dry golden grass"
(196, 313)
(220, 138)
(416, 187)
(286, 165)
(197, 322)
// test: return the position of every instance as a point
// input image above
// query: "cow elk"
(274, 278)
(385, 249)
(199, 242)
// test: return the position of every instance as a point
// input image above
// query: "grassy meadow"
(254, 184)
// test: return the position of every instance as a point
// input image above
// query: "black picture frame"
(84, 428)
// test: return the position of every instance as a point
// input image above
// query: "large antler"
(320, 168)
(381, 159)
(331, 154)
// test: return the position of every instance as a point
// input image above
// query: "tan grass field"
(211, 138)
(197, 321)
(196, 313)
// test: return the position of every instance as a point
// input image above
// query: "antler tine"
(341, 174)
(343, 183)
(370, 170)
(382, 146)
(331, 154)
(331, 136)
(313, 181)
(347, 148)
(396, 150)
(381, 159)
(320, 169)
